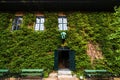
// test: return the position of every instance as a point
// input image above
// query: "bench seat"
(97, 73)
(31, 72)
(3, 72)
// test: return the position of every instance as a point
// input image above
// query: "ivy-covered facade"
(30, 39)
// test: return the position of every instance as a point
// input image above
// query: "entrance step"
(60, 79)
(64, 72)
(68, 79)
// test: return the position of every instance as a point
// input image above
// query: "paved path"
(61, 78)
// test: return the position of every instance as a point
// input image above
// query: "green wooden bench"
(31, 73)
(3, 73)
(97, 74)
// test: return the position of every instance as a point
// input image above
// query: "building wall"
(26, 48)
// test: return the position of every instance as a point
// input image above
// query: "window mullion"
(40, 23)
(62, 24)
(17, 23)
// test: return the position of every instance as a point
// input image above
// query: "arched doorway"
(64, 58)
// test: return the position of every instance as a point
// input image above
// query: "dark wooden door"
(72, 60)
(56, 60)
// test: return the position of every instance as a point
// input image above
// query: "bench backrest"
(95, 71)
(31, 70)
(3, 72)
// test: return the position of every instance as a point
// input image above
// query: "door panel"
(55, 60)
(72, 60)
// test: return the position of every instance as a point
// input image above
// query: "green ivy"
(5, 20)
(26, 48)
(28, 19)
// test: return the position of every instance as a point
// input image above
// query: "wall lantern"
(63, 36)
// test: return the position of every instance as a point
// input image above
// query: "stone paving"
(63, 74)
(60, 78)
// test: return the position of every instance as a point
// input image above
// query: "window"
(39, 23)
(17, 22)
(62, 23)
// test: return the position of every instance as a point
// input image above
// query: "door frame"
(71, 58)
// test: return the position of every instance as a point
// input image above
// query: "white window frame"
(17, 22)
(62, 23)
(39, 25)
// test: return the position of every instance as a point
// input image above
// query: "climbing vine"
(5, 20)
(20, 47)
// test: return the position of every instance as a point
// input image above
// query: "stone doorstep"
(65, 76)
(60, 79)
(68, 79)
(66, 72)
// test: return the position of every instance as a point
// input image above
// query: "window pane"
(20, 18)
(19, 21)
(64, 20)
(41, 26)
(60, 26)
(39, 23)
(15, 27)
(16, 23)
(65, 26)
(37, 27)
(37, 20)
(42, 20)
(59, 20)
